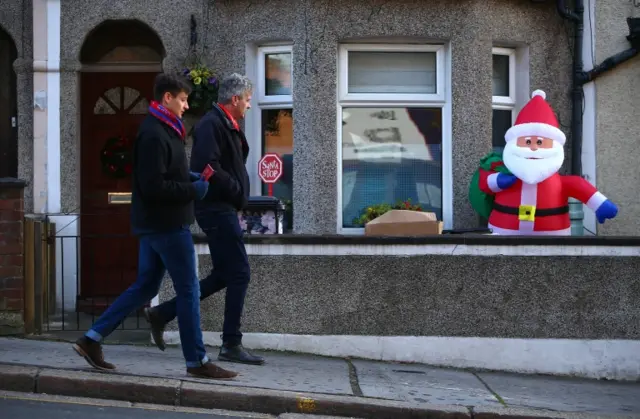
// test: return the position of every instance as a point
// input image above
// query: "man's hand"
(606, 210)
(505, 181)
(202, 186)
(193, 176)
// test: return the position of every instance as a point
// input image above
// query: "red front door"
(113, 106)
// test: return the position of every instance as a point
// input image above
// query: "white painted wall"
(53, 106)
(40, 103)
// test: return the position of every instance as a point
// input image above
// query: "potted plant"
(204, 85)
(375, 211)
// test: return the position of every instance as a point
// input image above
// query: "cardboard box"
(404, 223)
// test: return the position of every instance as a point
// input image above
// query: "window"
(273, 117)
(393, 130)
(504, 94)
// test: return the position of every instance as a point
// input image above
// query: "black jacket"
(162, 193)
(218, 143)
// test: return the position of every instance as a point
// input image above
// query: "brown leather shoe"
(157, 327)
(91, 351)
(211, 370)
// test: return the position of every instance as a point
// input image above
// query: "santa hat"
(536, 119)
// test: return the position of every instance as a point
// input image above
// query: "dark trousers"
(230, 270)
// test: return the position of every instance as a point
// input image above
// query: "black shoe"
(236, 353)
(157, 327)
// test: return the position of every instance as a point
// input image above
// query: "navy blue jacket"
(218, 143)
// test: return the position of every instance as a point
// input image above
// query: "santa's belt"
(530, 210)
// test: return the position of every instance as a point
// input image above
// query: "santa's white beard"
(533, 167)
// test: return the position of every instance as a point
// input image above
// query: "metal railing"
(57, 267)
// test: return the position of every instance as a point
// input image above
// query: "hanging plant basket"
(116, 158)
(204, 85)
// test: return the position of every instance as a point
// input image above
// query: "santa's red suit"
(538, 205)
(543, 208)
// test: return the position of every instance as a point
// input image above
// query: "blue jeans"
(230, 270)
(159, 252)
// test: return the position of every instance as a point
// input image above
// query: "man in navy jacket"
(219, 141)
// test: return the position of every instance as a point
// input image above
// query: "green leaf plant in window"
(374, 211)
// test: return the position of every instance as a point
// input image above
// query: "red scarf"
(168, 117)
(231, 118)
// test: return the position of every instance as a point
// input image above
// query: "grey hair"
(234, 85)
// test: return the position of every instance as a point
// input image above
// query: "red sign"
(270, 170)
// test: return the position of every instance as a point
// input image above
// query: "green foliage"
(375, 211)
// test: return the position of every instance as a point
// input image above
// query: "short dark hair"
(171, 83)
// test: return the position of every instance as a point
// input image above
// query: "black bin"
(263, 215)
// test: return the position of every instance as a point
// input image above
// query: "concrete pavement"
(310, 384)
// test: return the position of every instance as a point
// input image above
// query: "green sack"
(481, 202)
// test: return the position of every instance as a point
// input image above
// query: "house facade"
(349, 139)
(365, 102)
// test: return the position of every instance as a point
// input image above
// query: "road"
(37, 406)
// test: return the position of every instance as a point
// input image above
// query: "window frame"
(343, 71)
(256, 59)
(263, 98)
(505, 103)
(441, 99)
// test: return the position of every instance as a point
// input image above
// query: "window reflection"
(391, 154)
(278, 74)
(501, 122)
(277, 137)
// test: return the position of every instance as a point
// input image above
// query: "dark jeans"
(230, 270)
(160, 252)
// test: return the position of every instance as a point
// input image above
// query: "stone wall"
(453, 286)
(11, 256)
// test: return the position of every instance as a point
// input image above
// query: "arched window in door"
(119, 100)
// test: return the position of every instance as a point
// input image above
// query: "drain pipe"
(576, 213)
(576, 90)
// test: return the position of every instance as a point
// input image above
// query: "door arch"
(120, 59)
(9, 107)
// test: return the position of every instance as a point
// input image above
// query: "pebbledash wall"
(535, 305)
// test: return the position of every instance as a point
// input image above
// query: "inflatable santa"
(534, 199)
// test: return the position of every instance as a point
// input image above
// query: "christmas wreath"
(116, 157)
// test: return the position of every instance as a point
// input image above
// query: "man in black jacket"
(161, 211)
(219, 141)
